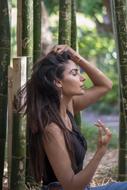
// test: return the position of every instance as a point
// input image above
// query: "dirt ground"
(106, 172)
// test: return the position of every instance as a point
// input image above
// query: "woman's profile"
(53, 95)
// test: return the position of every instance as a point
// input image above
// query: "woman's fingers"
(102, 125)
(104, 134)
(100, 134)
(59, 48)
(108, 132)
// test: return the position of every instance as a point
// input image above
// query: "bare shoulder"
(52, 128)
(53, 133)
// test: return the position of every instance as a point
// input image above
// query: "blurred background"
(95, 41)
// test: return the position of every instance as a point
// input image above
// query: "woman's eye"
(74, 73)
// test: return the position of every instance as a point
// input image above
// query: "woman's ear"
(58, 83)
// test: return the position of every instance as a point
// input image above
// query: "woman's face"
(72, 82)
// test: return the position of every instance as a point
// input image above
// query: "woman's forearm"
(83, 178)
(98, 78)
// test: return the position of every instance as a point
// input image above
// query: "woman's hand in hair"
(104, 136)
(60, 48)
(73, 54)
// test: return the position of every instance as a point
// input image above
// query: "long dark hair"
(42, 106)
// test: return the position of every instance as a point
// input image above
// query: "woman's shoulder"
(52, 130)
(52, 127)
(53, 136)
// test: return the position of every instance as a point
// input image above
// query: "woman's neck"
(63, 113)
(64, 106)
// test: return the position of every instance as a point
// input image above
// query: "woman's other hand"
(104, 135)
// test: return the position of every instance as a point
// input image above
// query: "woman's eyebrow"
(74, 69)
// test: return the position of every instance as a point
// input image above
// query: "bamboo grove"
(13, 130)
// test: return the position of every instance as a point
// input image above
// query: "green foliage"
(52, 6)
(90, 8)
(93, 44)
(90, 133)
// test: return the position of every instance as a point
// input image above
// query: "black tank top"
(80, 146)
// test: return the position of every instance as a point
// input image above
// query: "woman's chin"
(80, 93)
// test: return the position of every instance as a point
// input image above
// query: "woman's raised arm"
(101, 83)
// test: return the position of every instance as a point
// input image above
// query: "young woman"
(55, 93)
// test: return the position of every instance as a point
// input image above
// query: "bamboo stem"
(10, 114)
(64, 22)
(4, 62)
(36, 29)
(119, 16)
(19, 128)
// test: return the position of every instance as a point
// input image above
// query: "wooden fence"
(16, 136)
